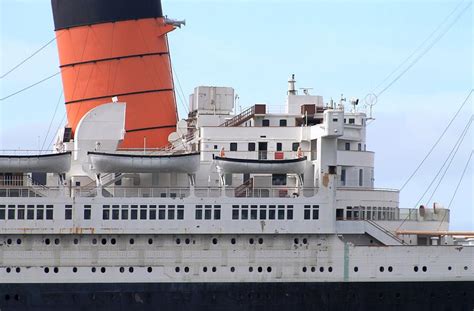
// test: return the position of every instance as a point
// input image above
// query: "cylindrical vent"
(118, 48)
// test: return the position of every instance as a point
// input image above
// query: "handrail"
(389, 233)
(240, 118)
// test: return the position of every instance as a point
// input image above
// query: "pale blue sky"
(333, 46)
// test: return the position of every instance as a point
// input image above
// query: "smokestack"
(119, 48)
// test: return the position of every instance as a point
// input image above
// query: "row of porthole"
(313, 269)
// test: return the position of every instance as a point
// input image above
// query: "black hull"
(419, 296)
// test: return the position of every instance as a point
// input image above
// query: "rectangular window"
(11, 211)
(348, 146)
(351, 121)
(279, 147)
(245, 212)
(2, 211)
(87, 212)
(334, 119)
(30, 212)
(208, 212)
(263, 212)
(361, 176)
(315, 212)
(161, 212)
(307, 212)
(68, 212)
(251, 146)
(359, 147)
(134, 212)
(278, 179)
(152, 212)
(198, 212)
(143, 212)
(253, 212)
(180, 212)
(49, 212)
(39, 212)
(281, 212)
(271, 212)
(106, 212)
(115, 212)
(217, 212)
(233, 146)
(124, 212)
(289, 212)
(282, 122)
(343, 176)
(170, 212)
(235, 212)
(21, 212)
(295, 146)
(265, 122)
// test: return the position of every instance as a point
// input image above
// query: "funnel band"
(113, 95)
(74, 13)
(113, 58)
(151, 128)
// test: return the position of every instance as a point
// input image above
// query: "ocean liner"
(223, 210)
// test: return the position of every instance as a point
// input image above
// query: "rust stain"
(325, 179)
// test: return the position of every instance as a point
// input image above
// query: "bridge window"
(143, 212)
(68, 212)
(282, 122)
(198, 214)
(11, 211)
(235, 212)
(245, 212)
(124, 212)
(162, 212)
(49, 212)
(87, 212)
(289, 212)
(39, 212)
(152, 212)
(263, 212)
(281, 212)
(115, 212)
(106, 212)
(271, 212)
(134, 212)
(351, 121)
(21, 212)
(170, 212)
(233, 146)
(30, 212)
(217, 212)
(253, 212)
(208, 212)
(251, 146)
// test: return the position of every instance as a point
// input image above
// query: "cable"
(427, 49)
(437, 141)
(30, 86)
(29, 57)
(446, 169)
(57, 129)
(459, 141)
(52, 119)
(419, 47)
(460, 179)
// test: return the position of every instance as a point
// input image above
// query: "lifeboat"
(133, 163)
(39, 163)
(236, 165)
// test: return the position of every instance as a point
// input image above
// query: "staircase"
(245, 188)
(245, 115)
(389, 237)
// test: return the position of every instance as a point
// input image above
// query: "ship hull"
(240, 296)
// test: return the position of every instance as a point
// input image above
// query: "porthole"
(56, 241)
(250, 269)
(18, 269)
(450, 268)
(260, 241)
(9, 270)
(149, 269)
(187, 241)
(104, 241)
(113, 241)
(122, 269)
(150, 241)
(102, 270)
(18, 241)
(177, 269)
(74, 270)
(415, 268)
(465, 268)
(305, 241)
(296, 241)
(204, 269)
(259, 269)
(47, 241)
(130, 269)
(304, 269)
(56, 269)
(313, 269)
(76, 241)
(251, 241)
(178, 241)
(424, 269)
(9, 241)
(93, 269)
(232, 269)
(356, 269)
(330, 269)
(269, 269)
(46, 270)
(132, 241)
(214, 241)
(321, 269)
(232, 241)
(186, 269)
(381, 269)
(390, 268)
(94, 241)
(214, 269)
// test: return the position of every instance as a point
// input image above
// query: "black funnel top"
(72, 13)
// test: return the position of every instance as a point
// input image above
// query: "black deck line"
(36, 155)
(285, 161)
(142, 155)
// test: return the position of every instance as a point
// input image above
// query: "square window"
(233, 146)
(251, 146)
(295, 146)
(279, 146)
(278, 179)
(265, 122)
(283, 122)
(351, 121)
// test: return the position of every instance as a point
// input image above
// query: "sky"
(335, 47)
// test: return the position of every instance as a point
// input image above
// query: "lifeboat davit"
(39, 163)
(237, 165)
(133, 163)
